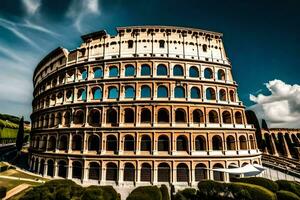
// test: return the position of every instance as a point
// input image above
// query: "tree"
(20, 136)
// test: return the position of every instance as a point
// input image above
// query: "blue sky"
(261, 38)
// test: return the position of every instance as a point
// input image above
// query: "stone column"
(286, 148)
(69, 170)
(273, 145)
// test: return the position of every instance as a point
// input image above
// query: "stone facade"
(150, 105)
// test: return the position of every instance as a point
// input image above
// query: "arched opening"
(218, 175)
(230, 143)
(163, 172)
(63, 143)
(291, 146)
(94, 117)
(238, 117)
(146, 143)
(232, 96)
(76, 170)
(98, 72)
(130, 44)
(193, 72)
(67, 118)
(62, 169)
(129, 172)
(179, 92)
(145, 115)
(113, 71)
(252, 142)
(81, 94)
(128, 115)
(213, 116)
(163, 143)
(145, 70)
(210, 94)
(200, 172)
(111, 116)
(36, 166)
(198, 116)
(97, 93)
(52, 143)
(129, 70)
(146, 172)
(94, 171)
(111, 143)
(182, 143)
(222, 95)
(177, 70)
(146, 91)
(42, 167)
(128, 143)
(111, 172)
(50, 168)
(77, 143)
(221, 74)
(161, 43)
(195, 93)
(243, 142)
(217, 143)
(162, 92)
(226, 116)
(200, 143)
(182, 173)
(161, 70)
(163, 116)
(78, 117)
(52, 118)
(93, 143)
(58, 119)
(113, 92)
(208, 73)
(69, 95)
(129, 92)
(180, 116)
(268, 143)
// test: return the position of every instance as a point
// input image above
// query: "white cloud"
(281, 108)
(78, 10)
(31, 6)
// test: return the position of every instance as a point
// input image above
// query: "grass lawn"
(15, 173)
(9, 184)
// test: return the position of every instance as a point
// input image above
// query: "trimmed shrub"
(249, 191)
(164, 192)
(286, 195)
(109, 193)
(209, 188)
(145, 193)
(3, 191)
(264, 182)
(92, 193)
(186, 194)
(291, 186)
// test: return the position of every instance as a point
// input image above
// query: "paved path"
(23, 179)
(16, 190)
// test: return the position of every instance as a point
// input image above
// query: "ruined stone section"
(150, 105)
(282, 142)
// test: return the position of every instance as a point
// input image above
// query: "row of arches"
(130, 71)
(145, 143)
(281, 144)
(163, 172)
(145, 91)
(114, 116)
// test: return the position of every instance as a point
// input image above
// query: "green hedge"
(145, 193)
(164, 192)
(67, 189)
(264, 182)
(286, 195)
(291, 186)
(247, 190)
(3, 191)
(186, 194)
(217, 190)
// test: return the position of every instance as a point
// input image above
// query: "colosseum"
(148, 105)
